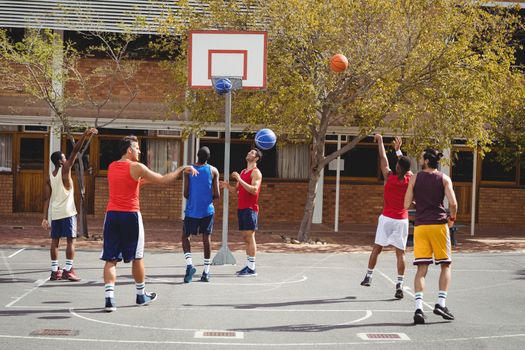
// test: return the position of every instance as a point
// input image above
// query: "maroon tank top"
(429, 194)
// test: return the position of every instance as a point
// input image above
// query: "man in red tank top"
(392, 228)
(248, 187)
(123, 229)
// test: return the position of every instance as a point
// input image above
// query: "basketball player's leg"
(248, 220)
(190, 227)
(56, 272)
(53, 250)
(206, 228)
(380, 241)
(422, 258)
(400, 259)
(372, 261)
(442, 252)
(133, 250)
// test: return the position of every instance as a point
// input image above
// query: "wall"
(501, 206)
(6, 188)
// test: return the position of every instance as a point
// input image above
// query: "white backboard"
(214, 53)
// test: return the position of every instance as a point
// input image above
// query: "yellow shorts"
(432, 240)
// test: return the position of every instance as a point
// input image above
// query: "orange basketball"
(338, 63)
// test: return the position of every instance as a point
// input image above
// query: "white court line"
(87, 340)
(368, 315)
(222, 309)
(218, 309)
(38, 284)
(72, 311)
(18, 251)
(7, 266)
(406, 289)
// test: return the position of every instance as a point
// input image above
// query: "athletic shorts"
(432, 240)
(193, 226)
(247, 219)
(392, 232)
(123, 236)
(66, 227)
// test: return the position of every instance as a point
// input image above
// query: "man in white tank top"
(59, 207)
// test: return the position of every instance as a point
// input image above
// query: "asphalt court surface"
(296, 301)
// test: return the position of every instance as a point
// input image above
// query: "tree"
(433, 69)
(45, 67)
(509, 129)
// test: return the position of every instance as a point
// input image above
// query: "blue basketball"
(265, 139)
(223, 86)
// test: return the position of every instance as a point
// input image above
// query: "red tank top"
(394, 197)
(246, 199)
(123, 189)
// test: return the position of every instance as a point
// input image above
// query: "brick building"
(26, 140)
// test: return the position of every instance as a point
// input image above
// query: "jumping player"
(392, 228)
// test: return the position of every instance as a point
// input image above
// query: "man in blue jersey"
(200, 191)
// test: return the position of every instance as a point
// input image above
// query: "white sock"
(442, 298)
(419, 300)
(207, 263)
(54, 265)
(400, 279)
(369, 272)
(188, 259)
(109, 290)
(140, 288)
(69, 264)
(250, 262)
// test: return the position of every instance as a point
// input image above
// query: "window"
(137, 49)
(492, 170)
(109, 152)
(361, 161)
(462, 163)
(16, 34)
(163, 156)
(6, 152)
(293, 161)
(32, 153)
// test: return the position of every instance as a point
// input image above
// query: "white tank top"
(62, 201)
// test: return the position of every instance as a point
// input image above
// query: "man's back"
(62, 200)
(200, 193)
(429, 193)
(123, 189)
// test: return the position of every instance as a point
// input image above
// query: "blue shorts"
(247, 219)
(123, 236)
(66, 227)
(193, 226)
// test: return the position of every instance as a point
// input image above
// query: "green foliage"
(433, 69)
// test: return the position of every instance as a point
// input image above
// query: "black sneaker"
(205, 277)
(419, 317)
(443, 312)
(110, 305)
(367, 281)
(399, 291)
(190, 271)
(145, 298)
(243, 270)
